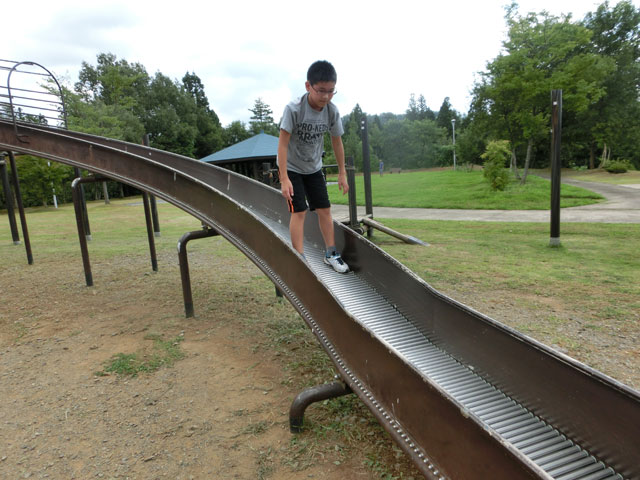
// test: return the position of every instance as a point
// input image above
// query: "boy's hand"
(342, 183)
(286, 187)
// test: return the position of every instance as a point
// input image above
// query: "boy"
(302, 129)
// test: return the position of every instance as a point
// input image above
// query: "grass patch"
(461, 190)
(517, 256)
(591, 283)
(163, 353)
(602, 176)
(575, 298)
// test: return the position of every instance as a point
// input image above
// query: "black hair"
(321, 71)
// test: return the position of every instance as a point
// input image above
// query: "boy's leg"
(298, 210)
(332, 257)
(326, 226)
(296, 229)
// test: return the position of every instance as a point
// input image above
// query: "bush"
(495, 157)
(618, 166)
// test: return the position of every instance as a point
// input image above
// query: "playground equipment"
(39, 99)
(464, 396)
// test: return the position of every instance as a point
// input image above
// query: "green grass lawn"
(460, 189)
(584, 294)
(582, 298)
(602, 176)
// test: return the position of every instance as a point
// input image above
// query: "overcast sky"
(382, 50)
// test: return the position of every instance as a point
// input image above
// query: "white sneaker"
(337, 263)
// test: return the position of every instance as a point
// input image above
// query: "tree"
(542, 52)
(418, 110)
(445, 115)
(427, 141)
(613, 122)
(97, 118)
(495, 158)
(424, 112)
(114, 82)
(210, 136)
(39, 178)
(235, 132)
(262, 119)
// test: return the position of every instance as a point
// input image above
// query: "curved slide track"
(464, 396)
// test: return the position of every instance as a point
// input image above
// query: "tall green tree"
(613, 122)
(418, 109)
(113, 81)
(209, 138)
(39, 179)
(262, 119)
(235, 132)
(445, 115)
(542, 52)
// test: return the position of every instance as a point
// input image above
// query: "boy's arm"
(283, 147)
(338, 150)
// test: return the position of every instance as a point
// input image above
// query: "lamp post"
(453, 124)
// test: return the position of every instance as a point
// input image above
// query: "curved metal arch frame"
(13, 113)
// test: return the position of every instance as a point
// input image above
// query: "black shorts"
(312, 187)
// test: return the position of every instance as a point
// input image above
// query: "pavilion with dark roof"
(247, 157)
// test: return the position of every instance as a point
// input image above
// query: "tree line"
(595, 61)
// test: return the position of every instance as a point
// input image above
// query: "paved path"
(622, 205)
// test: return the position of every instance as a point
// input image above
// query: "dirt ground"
(220, 412)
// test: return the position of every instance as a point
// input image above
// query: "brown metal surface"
(441, 436)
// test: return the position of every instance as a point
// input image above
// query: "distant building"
(247, 157)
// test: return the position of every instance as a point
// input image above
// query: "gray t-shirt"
(307, 127)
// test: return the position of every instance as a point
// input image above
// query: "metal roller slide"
(463, 395)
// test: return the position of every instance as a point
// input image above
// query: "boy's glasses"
(329, 93)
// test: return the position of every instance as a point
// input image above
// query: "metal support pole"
(154, 215)
(76, 190)
(312, 395)
(105, 193)
(23, 217)
(9, 200)
(366, 172)
(453, 128)
(389, 231)
(266, 173)
(556, 134)
(83, 205)
(152, 198)
(183, 259)
(351, 181)
(152, 243)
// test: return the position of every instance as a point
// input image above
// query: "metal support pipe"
(154, 215)
(353, 207)
(312, 395)
(105, 193)
(556, 124)
(366, 172)
(389, 231)
(76, 191)
(83, 205)
(266, 173)
(149, 222)
(23, 217)
(183, 259)
(152, 198)
(9, 201)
